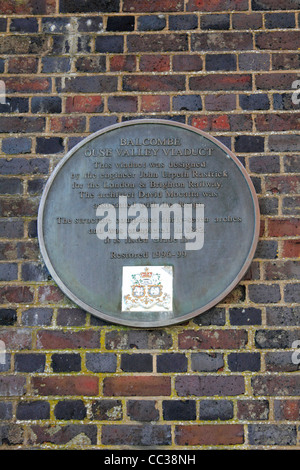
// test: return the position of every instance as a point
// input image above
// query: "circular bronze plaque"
(148, 223)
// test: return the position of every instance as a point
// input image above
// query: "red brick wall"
(226, 379)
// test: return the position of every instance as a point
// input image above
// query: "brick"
(272, 434)
(155, 103)
(70, 317)
(125, 63)
(136, 435)
(216, 22)
(66, 385)
(37, 317)
(28, 250)
(217, 434)
(66, 362)
(285, 61)
(251, 21)
(56, 64)
(287, 410)
(284, 143)
(216, 410)
(60, 339)
(287, 316)
(220, 102)
(254, 61)
(280, 362)
(290, 205)
(30, 362)
(277, 122)
(11, 434)
(283, 184)
(120, 23)
(109, 44)
(283, 101)
(279, 20)
(23, 44)
(99, 122)
(142, 410)
(179, 410)
(15, 206)
(49, 145)
(182, 22)
(138, 339)
(261, 293)
(63, 124)
(32, 229)
(152, 6)
(261, 164)
(268, 206)
(5, 410)
(3, 25)
(15, 105)
(90, 24)
(227, 41)
(32, 410)
(21, 124)
(11, 228)
(11, 186)
(8, 251)
(274, 81)
(136, 386)
(253, 410)
(24, 25)
(221, 62)
(174, 362)
(22, 166)
(107, 410)
(57, 25)
(187, 103)
(63, 435)
(249, 144)
(209, 385)
(34, 272)
(46, 104)
(176, 42)
(187, 63)
(12, 385)
(81, 6)
(266, 5)
(239, 362)
(154, 63)
(70, 409)
(104, 362)
(136, 362)
(258, 101)
(214, 316)
(36, 186)
(22, 65)
(8, 316)
(121, 104)
(274, 338)
(291, 248)
(283, 227)
(16, 294)
(221, 82)
(99, 84)
(84, 104)
(16, 338)
(206, 362)
(292, 293)
(245, 316)
(216, 5)
(212, 339)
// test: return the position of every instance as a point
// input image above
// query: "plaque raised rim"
(167, 322)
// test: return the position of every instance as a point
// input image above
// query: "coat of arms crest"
(147, 288)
